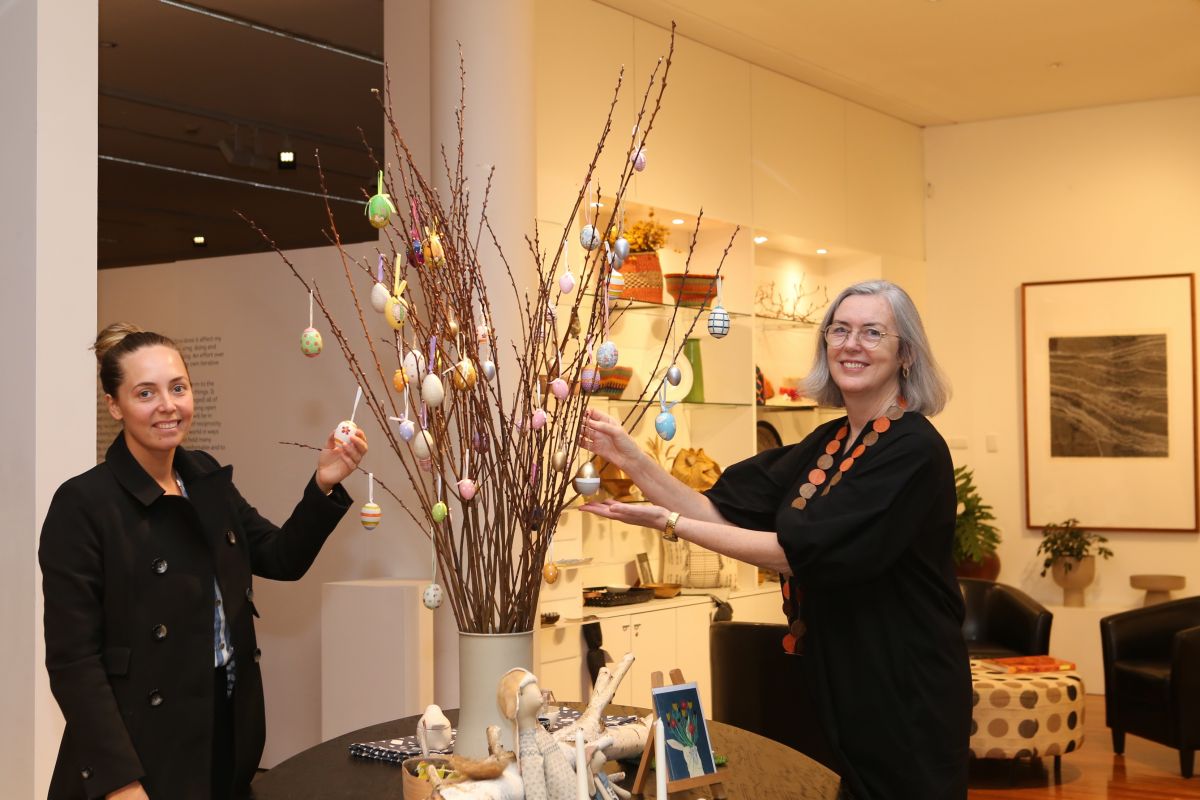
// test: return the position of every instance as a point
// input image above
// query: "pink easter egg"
(466, 488)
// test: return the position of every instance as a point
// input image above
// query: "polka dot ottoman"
(1026, 715)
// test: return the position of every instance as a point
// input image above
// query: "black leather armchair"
(1152, 676)
(1002, 621)
(752, 679)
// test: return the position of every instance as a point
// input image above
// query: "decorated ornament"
(616, 284)
(432, 391)
(482, 334)
(489, 370)
(399, 380)
(479, 442)
(674, 376)
(639, 159)
(566, 281)
(346, 428)
(432, 596)
(414, 365)
(559, 388)
(407, 430)
(550, 572)
(371, 513)
(466, 486)
(538, 420)
(379, 208)
(310, 338)
(589, 237)
(436, 253)
(664, 423)
(423, 445)
(395, 311)
(559, 459)
(718, 317)
(439, 511)
(607, 355)
(586, 481)
(621, 249)
(379, 292)
(464, 375)
(589, 379)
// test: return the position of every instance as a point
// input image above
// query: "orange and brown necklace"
(818, 476)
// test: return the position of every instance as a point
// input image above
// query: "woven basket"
(643, 278)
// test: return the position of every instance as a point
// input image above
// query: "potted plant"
(641, 269)
(975, 538)
(1070, 556)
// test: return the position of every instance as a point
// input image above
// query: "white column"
(48, 90)
(497, 40)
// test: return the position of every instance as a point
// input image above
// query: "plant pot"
(988, 569)
(1074, 580)
(483, 658)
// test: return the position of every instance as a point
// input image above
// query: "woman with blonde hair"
(858, 519)
(147, 563)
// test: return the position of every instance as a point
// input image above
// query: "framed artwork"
(689, 751)
(645, 574)
(1109, 369)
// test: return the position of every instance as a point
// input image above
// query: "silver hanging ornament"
(674, 376)
(587, 482)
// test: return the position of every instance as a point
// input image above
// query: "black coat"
(128, 582)
(874, 601)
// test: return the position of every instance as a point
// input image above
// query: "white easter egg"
(432, 391)
(718, 322)
(379, 297)
(589, 237)
(432, 596)
(586, 481)
(566, 282)
(344, 430)
(423, 445)
(414, 365)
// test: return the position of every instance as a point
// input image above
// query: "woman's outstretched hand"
(604, 436)
(338, 460)
(648, 516)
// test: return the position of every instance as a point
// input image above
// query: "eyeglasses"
(839, 335)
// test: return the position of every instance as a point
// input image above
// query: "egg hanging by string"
(310, 338)
(432, 596)
(464, 375)
(466, 486)
(437, 253)
(371, 513)
(488, 368)
(379, 208)
(607, 355)
(559, 388)
(664, 423)
(414, 365)
(422, 445)
(616, 284)
(589, 237)
(346, 428)
(379, 292)
(482, 334)
(399, 380)
(586, 481)
(432, 391)
(674, 376)
(589, 379)
(621, 249)
(407, 428)
(395, 308)
(639, 159)
(718, 317)
(550, 572)
(439, 511)
(559, 459)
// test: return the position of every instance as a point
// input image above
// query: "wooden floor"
(1146, 771)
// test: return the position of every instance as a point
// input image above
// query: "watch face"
(768, 437)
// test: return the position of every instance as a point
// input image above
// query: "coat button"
(155, 699)
(231, 537)
(159, 565)
(257, 655)
(159, 631)
(86, 773)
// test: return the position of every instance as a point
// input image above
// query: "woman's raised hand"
(338, 460)
(604, 436)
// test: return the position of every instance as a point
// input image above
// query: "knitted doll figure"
(545, 769)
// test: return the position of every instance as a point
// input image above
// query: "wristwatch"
(669, 534)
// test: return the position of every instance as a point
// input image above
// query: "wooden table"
(758, 768)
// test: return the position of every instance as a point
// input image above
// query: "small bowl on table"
(691, 289)
(663, 591)
(419, 788)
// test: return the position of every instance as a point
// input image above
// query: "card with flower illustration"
(689, 751)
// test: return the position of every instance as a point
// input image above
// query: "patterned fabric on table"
(396, 750)
(1028, 715)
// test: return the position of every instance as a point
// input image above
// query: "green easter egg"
(439, 511)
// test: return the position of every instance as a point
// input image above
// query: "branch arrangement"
(490, 452)
(801, 306)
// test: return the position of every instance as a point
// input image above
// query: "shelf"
(788, 408)
(680, 405)
(620, 305)
(770, 323)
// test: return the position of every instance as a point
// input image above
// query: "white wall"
(1101, 192)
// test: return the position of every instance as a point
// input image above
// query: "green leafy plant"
(1068, 540)
(646, 235)
(974, 537)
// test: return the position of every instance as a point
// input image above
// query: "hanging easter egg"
(621, 249)
(489, 370)
(379, 208)
(606, 356)
(589, 237)
(464, 375)
(395, 311)
(436, 252)
(407, 430)
(479, 442)
(344, 430)
(379, 297)
(559, 388)
(466, 488)
(589, 379)
(538, 420)
(482, 334)
(452, 327)
(559, 459)
(664, 424)
(674, 376)
(399, 380)
(537, 515)
(310, 342)
(414, 365)
(432, 391)
(587, 482)
(639, 159)
(718, 322)
(566, 282)
(423, 445)
(370, 515)
(432, 596)
(616, 284)
(573, 327)
(550, 572)
(439, 511)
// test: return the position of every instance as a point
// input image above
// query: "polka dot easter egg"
(370, 516)
(432, 596)
(310, 342)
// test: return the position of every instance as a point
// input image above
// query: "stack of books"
(1018, 664)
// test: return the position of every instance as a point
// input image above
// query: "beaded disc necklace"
(818, 476)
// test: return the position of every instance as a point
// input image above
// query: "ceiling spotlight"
(287, 154)
(199, 241)
(760, 240)
(677, 221)
(822, 251)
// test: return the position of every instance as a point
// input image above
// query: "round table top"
(1158, 583)
(758, 767)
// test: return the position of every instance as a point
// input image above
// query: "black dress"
(873, 602)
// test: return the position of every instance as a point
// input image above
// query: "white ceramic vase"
(1074, 580)
(483, 658)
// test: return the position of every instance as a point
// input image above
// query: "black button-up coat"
(127, 576)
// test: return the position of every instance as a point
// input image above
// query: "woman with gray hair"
(858, 519)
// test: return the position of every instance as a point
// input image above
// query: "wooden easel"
(713, 780)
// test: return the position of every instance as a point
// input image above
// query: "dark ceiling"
(176, 81)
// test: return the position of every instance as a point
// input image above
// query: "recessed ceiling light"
(822, 251)
(677, 221)
(199, 241)
(760, 240)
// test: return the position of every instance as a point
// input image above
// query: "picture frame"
(1109, 380)
(689, 748)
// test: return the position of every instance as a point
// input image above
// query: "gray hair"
(925, 387)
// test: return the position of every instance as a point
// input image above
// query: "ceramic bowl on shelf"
(691, 289)
(549, 617)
